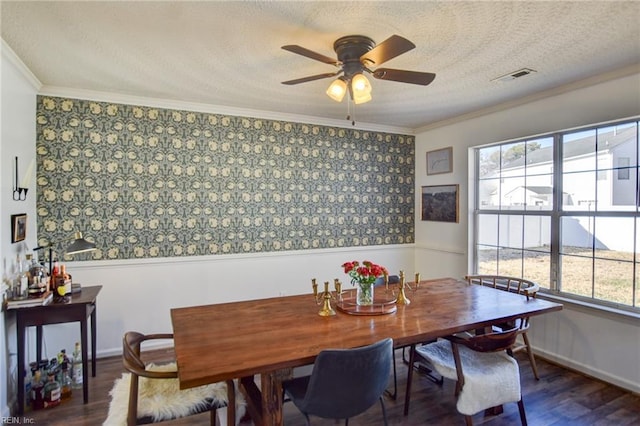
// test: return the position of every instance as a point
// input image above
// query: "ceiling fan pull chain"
(353, 121)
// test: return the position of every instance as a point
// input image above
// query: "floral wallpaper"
(145, 182)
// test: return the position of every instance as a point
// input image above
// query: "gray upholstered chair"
(344, 382)
(207, 398)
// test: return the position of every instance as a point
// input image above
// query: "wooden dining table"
(267, 338)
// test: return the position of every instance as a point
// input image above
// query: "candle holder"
(402, 298)
(325, 297)
(20, 190)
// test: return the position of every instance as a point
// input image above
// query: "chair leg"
(407, 395)
(532, 359)
(523, 415)
(468, 420)
(132, 412)
(231, 403)
(384, 411)
(212, 419)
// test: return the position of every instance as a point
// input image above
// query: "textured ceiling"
(228, 53)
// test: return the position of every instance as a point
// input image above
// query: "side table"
(81, 307)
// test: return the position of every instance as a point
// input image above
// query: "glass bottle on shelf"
(65, 384)
(21, 286)
(77, 367)
(55, 270)
(51, 391)
(63, 285)
(28, 378)
(37, 391)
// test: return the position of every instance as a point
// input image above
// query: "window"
(563, 210)
(623, 168)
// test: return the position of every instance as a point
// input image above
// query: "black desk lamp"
(80, 245)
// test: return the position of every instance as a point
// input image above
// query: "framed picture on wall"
(18, 227)
(440, 203)
(440, 161)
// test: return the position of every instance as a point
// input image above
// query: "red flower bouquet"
(365, 273)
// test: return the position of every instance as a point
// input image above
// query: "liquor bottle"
(77, 367)
(63, 283)
(28, 378)
(52, 277)
(33, 368)
(51, 391)
(21, 279)
(37, 391)
(65, 383)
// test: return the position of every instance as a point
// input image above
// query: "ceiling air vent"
(516, 74)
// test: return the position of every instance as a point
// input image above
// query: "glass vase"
(364, 294)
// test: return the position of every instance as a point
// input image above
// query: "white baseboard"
(589, 371)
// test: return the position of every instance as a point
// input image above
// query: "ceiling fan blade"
(403, 76)
(388, 49)
(310, 54)
(311, 78)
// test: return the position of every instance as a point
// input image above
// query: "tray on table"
(382, 304)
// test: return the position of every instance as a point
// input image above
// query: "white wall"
(603, 345)
(18, 135)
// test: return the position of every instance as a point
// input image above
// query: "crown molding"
(590, 81)
(92, 95)
(10, 55)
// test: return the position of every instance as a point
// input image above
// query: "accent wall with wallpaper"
(145, 182)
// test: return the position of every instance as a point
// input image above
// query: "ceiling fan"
(356, 55)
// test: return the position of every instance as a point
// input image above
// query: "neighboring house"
(596, 167)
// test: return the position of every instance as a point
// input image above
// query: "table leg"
(254, 399)
(85, 363)
(407, 395)
(271, 384)
(38, 344)
(94, 338)
(20, 329)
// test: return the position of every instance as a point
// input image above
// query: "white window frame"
(556, 215)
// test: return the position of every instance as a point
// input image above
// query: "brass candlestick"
(326, 310)
(402, 298)
(324, 298)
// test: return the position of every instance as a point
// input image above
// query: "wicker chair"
(514, 285)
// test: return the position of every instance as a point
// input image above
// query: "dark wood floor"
(561, 397)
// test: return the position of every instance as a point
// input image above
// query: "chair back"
(489, 342)
(392, 279)
(346, 382)
(506, 283)
(131, 343)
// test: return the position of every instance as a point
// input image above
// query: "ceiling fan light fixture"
(337, 89)
(361, 98)
(360, 84)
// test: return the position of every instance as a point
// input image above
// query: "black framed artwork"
(18, 227)
(440, 203)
